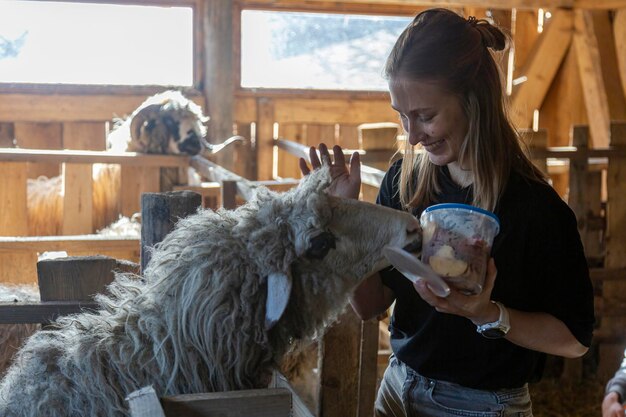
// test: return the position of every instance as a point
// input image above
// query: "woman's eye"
(320, 245)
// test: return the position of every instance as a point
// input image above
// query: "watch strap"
(498, 328)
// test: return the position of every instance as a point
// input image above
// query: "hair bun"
(492, 37)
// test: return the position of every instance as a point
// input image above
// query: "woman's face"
(431, 116)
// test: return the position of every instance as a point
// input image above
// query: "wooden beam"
(82, 243)
(496, 4)
(291, 110)
(619, 29)
(24, 313)
(92, 157)
(214, 172)
(42, 106)
(271, 402)
(524, 32)
(590, 69)
(541, 67)
(608, 44)
(566, 88)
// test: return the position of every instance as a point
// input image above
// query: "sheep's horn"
(215, 148)
(139, 118)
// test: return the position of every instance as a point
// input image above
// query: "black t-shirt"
(541, 267)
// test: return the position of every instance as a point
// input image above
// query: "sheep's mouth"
(414, 246)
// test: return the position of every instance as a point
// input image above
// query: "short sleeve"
(558, 267)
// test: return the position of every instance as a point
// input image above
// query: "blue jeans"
(405, 393)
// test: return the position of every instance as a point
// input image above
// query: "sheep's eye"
(320, 245)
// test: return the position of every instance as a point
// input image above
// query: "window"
(106, 44)
(316, 51)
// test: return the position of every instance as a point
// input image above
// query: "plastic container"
(456, 243)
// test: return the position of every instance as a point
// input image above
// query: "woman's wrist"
(489, 314)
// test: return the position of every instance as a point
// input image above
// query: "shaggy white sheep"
(165, 123)
(224, 296)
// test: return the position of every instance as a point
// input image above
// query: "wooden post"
(78, 278)
(379, 139)
(368, 368)
(339, 370)
(594, 91)
(30, 135)
(219, 72)
(265, 139)
(15, 268)
(578, 201)
(229, 194)
(611, 354)
(136, 180)
(536, 142)
(619, 29)
(159, 214)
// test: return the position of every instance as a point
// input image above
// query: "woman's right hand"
(346, 180)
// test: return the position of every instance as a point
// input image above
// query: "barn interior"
(285, 75)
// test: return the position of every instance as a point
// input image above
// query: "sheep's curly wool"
(197, 320)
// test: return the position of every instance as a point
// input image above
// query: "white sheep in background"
(166, 123)
(223, 298)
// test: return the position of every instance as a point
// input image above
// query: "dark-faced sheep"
(224, 296)
(165, 123)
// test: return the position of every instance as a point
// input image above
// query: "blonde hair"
(439, 45)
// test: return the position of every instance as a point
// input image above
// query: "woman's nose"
(415, 134)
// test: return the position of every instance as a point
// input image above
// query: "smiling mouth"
(433, 144)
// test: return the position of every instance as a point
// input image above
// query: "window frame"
(308, 7)
(197, 64)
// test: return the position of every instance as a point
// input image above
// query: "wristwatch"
(497, 329)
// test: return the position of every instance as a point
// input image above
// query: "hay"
(44, 206)
(553, 397)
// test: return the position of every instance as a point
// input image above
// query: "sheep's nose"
(190, 145)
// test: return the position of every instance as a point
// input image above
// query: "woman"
(447, 90)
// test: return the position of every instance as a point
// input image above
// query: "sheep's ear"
(278, 291)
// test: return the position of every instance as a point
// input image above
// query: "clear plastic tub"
(457, 240)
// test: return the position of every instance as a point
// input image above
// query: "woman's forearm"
(544, 333)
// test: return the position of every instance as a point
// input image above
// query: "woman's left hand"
(478, 308)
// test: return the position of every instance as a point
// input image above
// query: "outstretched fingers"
(340, 160)
(355, 167)
(304, 167)
(315, 160)
(326, 160)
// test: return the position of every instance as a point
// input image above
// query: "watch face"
(493, 333)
